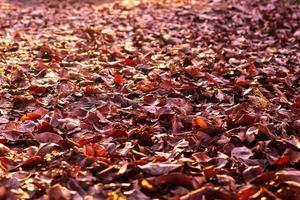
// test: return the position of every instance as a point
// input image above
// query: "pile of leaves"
(150, 100)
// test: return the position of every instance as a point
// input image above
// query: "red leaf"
(263, 178)
(118, 79)
(88, 150)
(118, 133)
(36, 90)
(94, 150)
(130, 62)
(29, 163)
(251, 69)
(45, 127)
(241, 83)
(296, 104)
(147, 87)
(193, 71)
(139, 162)
(281, 161)
(17, 36)
(247, 192)
(89, 90)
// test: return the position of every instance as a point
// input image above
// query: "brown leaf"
(173, 179)
(29, 163)
(118, 133)
(46, 148)
(58, 192)
(4, 150)
(3, 192)
(48, 137)
(263, 178)
(241, 153)
(288, 175)
(252, 172)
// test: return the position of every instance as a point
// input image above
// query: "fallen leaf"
(146, 185)
(281, 161)
(241, 153)
(156, 169)
(4, 150)
(118, 79)
(48, 137)
(114, 196)
(199, 122)
(173, 179)
(30, 116)
(247, 192)
(58, 192)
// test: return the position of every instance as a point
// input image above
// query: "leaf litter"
(150, 99)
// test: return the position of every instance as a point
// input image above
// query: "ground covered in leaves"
(150, 100)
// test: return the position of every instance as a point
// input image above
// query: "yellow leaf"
(145, 184)
(114, 196)
(260, 99)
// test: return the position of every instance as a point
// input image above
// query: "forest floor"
(149, 100)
